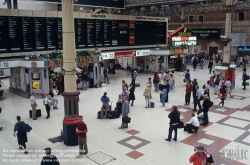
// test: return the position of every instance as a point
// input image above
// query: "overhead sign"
(108, 55)
(125, 54)
(207, 33)
(99, 3)
(184, 32)
(243, 48)
(238, 39)
(145, 52)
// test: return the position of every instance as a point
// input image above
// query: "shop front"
(126, 58)
(159, 58)
(182, 36)
(143, 60)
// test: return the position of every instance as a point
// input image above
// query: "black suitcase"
(137, 84)
(114, 114)
(126, 119)
(161, 87)
(165, 100)
(99, 115)
(38, 113)
(152, 104)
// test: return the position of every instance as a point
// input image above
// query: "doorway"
(212, 50)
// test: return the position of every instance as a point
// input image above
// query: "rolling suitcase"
(114, 114)
(152, 104)
(38, 113)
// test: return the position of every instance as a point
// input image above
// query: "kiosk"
(224, 72)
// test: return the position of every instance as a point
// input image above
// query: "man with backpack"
(20, 130)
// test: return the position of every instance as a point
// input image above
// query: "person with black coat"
(205, 105)
(132, 93)
(194, 63)
(84, 80)
(194, 83)
(21, 136)
(210, 66)
(174, 117)
(49, 159)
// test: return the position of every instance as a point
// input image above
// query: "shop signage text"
(207, 33)
(143, 52)
(125, 54)
(243, 48)
(177, 52)
(108, 55)
(150, 18)
(98, 15)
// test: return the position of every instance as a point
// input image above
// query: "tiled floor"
(227, 136)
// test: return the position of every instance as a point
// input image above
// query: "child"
(149, 82)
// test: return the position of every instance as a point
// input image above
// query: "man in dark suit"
(174, 117)
(206, 105)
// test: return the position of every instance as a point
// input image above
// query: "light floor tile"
(206, 141)
(236, 122)
(247, 139)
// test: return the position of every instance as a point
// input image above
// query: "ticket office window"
(17, 77)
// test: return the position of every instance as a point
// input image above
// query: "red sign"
(131, 32)
(125, 54)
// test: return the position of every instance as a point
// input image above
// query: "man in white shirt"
(193, 124)
(229, 87)
(33, 105)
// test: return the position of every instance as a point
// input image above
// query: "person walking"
(134, 75)
(194, 63)
(241, 60)
(163, 97)
(91, 79)
(125, 112)
(210, 66)
(132, 94)
(105, 74)
(187, 76)
(147, 95)
(55, 98)
(33, 105)
(171, 83)
(244, 78)
(194, 83)
(207, 88)
(174, 117)
(81, 130)
(222, 95)
(229, 87)
(49, 159)
(156, 81)
(47, 101)
(124, 85)
(197, 98)
(21, 135)
(217, 84)
(84, 80)
(105, 106)
(205, 105)
(189, 89)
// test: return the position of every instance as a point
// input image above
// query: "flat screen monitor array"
(23, 34)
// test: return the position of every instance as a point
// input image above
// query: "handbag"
(210, 159)
(126, 119)
(146, 94)
(180, 125)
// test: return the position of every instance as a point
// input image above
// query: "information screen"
(80, 33)
(123, 33)
(100, 3)
(114, 33)
(59, 33)
(51, 29)
(27, 33)
(90, 33)
(40, 33)
(99, 33)
(3, 34)
(15, 33)
(107, 33)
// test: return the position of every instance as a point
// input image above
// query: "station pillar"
(70, 94)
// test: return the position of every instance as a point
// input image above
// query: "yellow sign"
(84, 60)
(60, 62)
(184, 34)
(181, 55)
(177, 52)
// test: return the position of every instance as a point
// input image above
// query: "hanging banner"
(125, 54)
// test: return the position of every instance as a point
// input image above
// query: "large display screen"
(23, 34)
(98, 3)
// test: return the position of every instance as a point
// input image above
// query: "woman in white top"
(55, 97)
(47, 101)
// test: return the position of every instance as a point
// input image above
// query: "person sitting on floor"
(193, 124)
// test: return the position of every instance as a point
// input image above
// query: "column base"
(69, 131)
(225, 64)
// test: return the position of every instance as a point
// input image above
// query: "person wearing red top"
(81, 131)
(189, 90)
(200, 157)
(156, 81)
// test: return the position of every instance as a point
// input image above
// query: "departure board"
(27, 33)
(15, 33)
(59, 33)
(123, 39)
(99, 33)
(3, 34)
(107, 32)
(51, 29)
(160, 32)
(40, 33)
(90, 33)
(80, 33)
(114, 32)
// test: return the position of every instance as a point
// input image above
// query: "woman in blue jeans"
(105, 106)
(84, 80)
(164, 96)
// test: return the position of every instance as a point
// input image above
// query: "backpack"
(51, 93)
(25, 128)
(211, 104)
(155, 80)
(204, 86)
